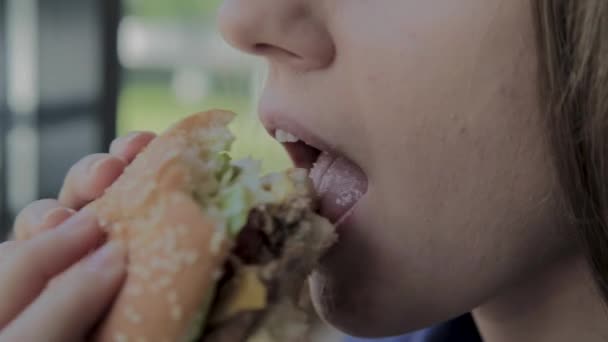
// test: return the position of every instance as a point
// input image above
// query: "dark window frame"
(50, 118)
(4, 220)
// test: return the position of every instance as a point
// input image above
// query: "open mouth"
(302, 154)
(339, 183)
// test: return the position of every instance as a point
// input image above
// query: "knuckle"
(35, 213)
(83, 165)
(87, 162)
(34, 207)
(23, 216)
(77, 174)
(119, 140)
(8, 247)
(32, 215)
(131, 143)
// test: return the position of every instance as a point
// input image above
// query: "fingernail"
(131, 136)
(124, 140)
(99, 164)
(56, 216)
(110, 259)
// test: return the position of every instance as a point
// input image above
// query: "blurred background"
(76, 73)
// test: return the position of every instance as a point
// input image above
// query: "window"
(60, 86)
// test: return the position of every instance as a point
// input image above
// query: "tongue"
(339, 184)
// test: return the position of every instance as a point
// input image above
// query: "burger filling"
(277, 241)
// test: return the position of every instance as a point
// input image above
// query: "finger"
(74, 301)
(88, 179)
(40, 216)
(7, 248)
(28, 269)
(129, 146)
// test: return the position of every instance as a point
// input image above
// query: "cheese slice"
(244, 292)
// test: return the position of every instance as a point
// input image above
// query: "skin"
(58, 263)
(462, 208)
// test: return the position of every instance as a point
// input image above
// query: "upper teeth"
(285, 137)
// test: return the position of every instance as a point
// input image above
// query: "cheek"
(461, 200)
(459, 154)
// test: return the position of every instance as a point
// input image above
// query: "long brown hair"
(573, 48)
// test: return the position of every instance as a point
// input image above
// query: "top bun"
(175, 254)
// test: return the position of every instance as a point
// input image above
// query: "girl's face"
(431, 109)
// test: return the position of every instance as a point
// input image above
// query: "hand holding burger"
(215, 252)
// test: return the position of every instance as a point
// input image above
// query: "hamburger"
(215, 252)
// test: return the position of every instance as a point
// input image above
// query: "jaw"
(558, 304)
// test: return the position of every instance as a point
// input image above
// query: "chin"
(358, 299)
(360, 312)
(343, 309)
(358, 289)
(370, 313)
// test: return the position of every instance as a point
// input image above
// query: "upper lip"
(274, 121)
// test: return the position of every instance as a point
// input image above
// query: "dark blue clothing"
(461, 329)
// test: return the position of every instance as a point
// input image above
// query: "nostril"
(261, 48)
(264, 49)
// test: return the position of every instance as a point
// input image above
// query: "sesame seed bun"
(150, 208)
(178, 249)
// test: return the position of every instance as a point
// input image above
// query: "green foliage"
(151, 106)
(172, 8)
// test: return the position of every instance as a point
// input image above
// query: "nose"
(288, 32)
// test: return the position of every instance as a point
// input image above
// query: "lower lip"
(339, 183)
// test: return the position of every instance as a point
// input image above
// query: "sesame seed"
(119, 337)
(164, 264)
(134, 290)
(171, 154)
(164, 282)
(176, 313)
(140, 272)
(216, 241)
(190, 257)
(170, 241)
(132, 315)
(118, 227)
(102, 222)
